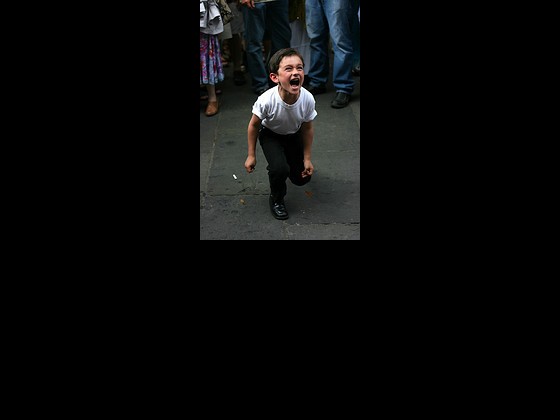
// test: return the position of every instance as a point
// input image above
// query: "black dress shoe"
(316, 90)
(340, 100)
(277, 208)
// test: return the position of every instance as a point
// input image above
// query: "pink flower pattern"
(211, 70)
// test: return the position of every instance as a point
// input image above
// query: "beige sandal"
(212, 108)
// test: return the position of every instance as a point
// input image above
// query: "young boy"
(283, 122)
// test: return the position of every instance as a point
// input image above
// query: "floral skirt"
(211, 70)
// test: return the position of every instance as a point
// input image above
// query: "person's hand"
(249, 3)
(308, 171)
(250, 164)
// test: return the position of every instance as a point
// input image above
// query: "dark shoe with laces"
(340, 100)
(278, 209)
(316, 90)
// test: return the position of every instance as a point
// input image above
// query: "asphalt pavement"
(234, 203)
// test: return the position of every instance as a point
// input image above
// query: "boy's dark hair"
(274, 62)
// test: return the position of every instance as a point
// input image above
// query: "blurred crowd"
(320, 30)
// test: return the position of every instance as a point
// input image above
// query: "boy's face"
(290, 74)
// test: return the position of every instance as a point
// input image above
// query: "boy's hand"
(308, 171)
(250, 164)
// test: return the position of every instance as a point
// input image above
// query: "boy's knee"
(280, 171)
(299, 181)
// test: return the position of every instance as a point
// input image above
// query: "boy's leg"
(294, 157)
(278, 168)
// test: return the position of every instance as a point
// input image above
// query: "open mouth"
(294, 82)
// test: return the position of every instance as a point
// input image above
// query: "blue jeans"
(356, 37)
(334, 17)
(272, 17)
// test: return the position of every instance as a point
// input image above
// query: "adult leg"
(211, 71)
(340, 15)
(278, 25)
(356, 41)
(254, 20)
(237, 54)
(236, 43)
(318, 31)
(213, 106)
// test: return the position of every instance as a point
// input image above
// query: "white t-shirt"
(283, 118)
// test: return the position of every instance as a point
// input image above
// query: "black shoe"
(340, 100)
(278, 210)
(239, 78)
(316, 90)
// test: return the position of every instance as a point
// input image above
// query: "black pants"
(284, 155)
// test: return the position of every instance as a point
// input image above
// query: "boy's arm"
(307, 134)
(252, 135)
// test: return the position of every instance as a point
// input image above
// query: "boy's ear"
(273, 77)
